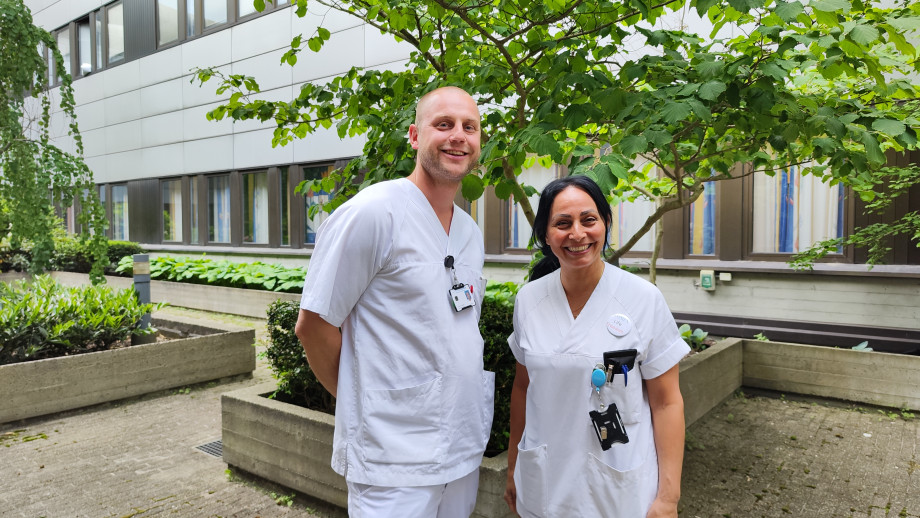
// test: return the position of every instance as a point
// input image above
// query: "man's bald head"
(421, 108)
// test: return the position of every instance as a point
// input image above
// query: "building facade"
(178, 183)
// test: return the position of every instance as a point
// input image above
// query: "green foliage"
(797, 84)
(298, 385)
(73, 254)
(42, 319)
(201, 270)
(38, 175)
(760, 337)
(693, 337)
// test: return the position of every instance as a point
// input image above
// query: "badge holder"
(619, 362)
(461, 295)
(608, 425)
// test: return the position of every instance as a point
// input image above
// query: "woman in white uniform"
(596, 409)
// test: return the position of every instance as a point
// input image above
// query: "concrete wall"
(889, 380)
(709, 377)
(46, 386)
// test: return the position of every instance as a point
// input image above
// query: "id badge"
(461, 295)
(609, 427)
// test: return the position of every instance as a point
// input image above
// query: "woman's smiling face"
(576, 231)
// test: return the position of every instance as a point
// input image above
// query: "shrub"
(298, 385)
(42, 319)
(72, 254)
(202, 270)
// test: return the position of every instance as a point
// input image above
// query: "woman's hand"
(659, 509)
(511, 494)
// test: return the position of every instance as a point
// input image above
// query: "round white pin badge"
(619, 324)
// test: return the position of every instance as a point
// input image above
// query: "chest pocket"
(626, 390)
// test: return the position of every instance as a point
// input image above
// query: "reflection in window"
(518, 231)
(628, 217)
(219, 209)
(314, 198)
(193, 199)
(98, 29)
(703, 222)
(172, 210)
(120, 212)
(168, 21)
(190, 18)
(245, 7)
(84, 47)
(215, 12)
(255, 208)
(115, 32)
(793, 212)
(63, 43)
(285, 209)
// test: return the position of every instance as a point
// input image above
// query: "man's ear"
(413, 136)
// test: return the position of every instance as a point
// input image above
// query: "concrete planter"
(292, 446)
(47, 386)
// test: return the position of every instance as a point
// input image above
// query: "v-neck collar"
(591, 307)
(417, 197)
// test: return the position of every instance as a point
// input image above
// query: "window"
(255, 207)
(120, 212)
(245, 7)
(517, 229)
(628, 217)
(115, 32)
(703, 222)
(63, 43)
(167, 21)
(84, 48)
(215, 12)
(314, 198)
(219, 209)
(285, 207)
(172, 210)
(193, 198)
(97, 21)
(793, 212)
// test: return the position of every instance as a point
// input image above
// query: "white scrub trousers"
(452, 500)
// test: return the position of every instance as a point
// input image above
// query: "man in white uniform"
(399, 269)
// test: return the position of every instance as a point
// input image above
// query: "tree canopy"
(35, 174)
(824, 84)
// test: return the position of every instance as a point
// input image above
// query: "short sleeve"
(666, 348)
(351, 247)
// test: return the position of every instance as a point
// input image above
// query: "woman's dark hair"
(550, 262)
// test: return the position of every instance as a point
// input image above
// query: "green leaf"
(889, 127)
(702, 6)
(788, 11)
(472, 187)
(673, 112)
(711, 90)
(873, 150)
(831, 6)
(633, 144)
(863, 34)
(503, 190)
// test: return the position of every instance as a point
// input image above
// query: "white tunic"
(414, 404)
(561, 468)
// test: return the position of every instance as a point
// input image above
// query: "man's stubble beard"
(434, 167)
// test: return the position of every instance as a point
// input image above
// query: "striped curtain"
(703, 221)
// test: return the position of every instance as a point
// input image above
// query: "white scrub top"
(414, 404)
(561, 468)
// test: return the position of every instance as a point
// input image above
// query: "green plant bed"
(298, 385)
(41, 319)
(203, 270)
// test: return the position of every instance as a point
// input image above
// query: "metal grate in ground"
(214, 449)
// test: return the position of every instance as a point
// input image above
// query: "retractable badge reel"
(608, 425)
(461, 295)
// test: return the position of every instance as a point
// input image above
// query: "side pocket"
(608, 485)
(530, 481)
(488, 405)
(404, 426)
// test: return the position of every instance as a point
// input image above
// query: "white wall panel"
(325, 144)
(194, 94)
(79, 8)
(205, 155)
(163, 160)
(161, 98)
(161, 129)
(383, 48)
(122, 78)
(88, 89)
(196, 125)
(123, 137)
(96, 164)
(284, 93)
(93, 142)
(344, 50)
(212, 50)
(123, 166)
(91, 116)
(263, 34)
(318, 15)
(267, 69)
(162, 66)
(123, 108)
(255, 149)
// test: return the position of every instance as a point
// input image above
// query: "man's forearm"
(322, 344)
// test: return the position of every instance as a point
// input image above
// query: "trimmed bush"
(298, 385)
(202, 270)
(71, 254)
(42, 319)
